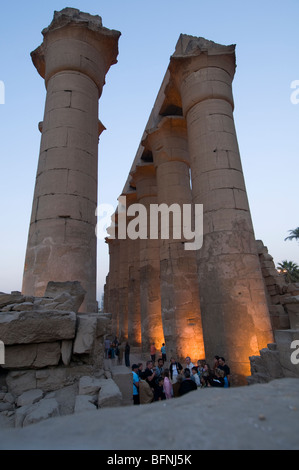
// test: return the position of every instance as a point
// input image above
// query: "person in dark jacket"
(175, 369)
(187, 384)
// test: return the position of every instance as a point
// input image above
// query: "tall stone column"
(76, 53)
(150, 300)
(113, 293)
(123, 279)
(233, 303)
(134, 318)
(178, 267)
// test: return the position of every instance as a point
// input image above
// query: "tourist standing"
(163, 352)
(140, 369)
(175, 369)
(195, 376)
(223, 366)
(167, 385)
(160, 367)
(127, 354)
(136, 399)
(153, 352)
(149, 374)
(187, 384)
(159, 391)
(189, 364)
(107, 343)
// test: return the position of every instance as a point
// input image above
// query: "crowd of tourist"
(159, 381)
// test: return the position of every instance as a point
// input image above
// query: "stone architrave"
(178, 268)
(144, 178)
(235, 315)
(74, 58)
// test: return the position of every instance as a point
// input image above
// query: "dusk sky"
(266, 109)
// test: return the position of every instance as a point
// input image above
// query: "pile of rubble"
(54, 362)
(275, 361)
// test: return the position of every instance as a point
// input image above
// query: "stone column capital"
(202, 69)
(144, 177)
(93, 47)
(168, 140)
(197, 52)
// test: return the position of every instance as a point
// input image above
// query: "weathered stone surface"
(69, 294)
(89, 385)
(6, 406)
(13, 298)
(66, 351)
(32, 356)
(20, 381)
(36, 326)
(260, 417)
(85, 403)
(9, 398)
(109, 394)
(30, 414)
(271, 360)
(65, 197)
(292, 308)
(123, 378)
(30, 397)
(279, 317)
(65, 397)
(53, 379)
(85, 335)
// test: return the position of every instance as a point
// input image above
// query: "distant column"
(150, 300)
(235, 315)
(74, 58)
(113, 293)
(134, 318)
(123, 279)
(178, 267)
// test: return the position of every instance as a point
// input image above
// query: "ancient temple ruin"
(206, 300)
(203, 288)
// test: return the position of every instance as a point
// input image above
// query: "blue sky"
(266, 38)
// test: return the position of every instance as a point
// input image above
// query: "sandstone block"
(36, 326)
(20, 381)
(292, 308)
(287, 352)
(73, 288)
(272, 363)
(66, 351)
(30, 397)
(32, 356)
(13, 298)
(89, 386)
(30, 414)
(6, 407)
(109, 395)
(23, 307)
(9, 398)
(49, 380)
(86, 333)
(84, 403)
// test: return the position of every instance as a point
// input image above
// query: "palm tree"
(289, 270)
(294, 234)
